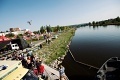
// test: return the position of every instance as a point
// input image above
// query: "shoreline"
(55, 62)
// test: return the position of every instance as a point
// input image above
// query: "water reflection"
(93, 46)
(76, 71)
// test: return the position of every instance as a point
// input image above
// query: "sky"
(16, 13)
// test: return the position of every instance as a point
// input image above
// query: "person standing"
(62, 73)
(41, 69)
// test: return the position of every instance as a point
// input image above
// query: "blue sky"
(16, 13)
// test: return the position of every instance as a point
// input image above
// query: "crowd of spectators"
(34, 63)
(15, 55)
(29, 61)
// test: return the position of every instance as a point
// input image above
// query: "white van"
(13, 46)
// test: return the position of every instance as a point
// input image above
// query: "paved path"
(36, 43)
(51, 73)
(51, 70)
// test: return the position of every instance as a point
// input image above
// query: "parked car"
(55, 37)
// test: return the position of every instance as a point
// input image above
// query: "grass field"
(57, 47)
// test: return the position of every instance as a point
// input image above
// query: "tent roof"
(3, 38)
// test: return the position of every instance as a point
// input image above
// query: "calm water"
(93, 46)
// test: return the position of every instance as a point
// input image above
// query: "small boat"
(110, 70)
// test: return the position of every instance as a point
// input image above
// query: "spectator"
(62, 73)
(24, 62)
(35, 71)
(29, 63)
(30, 53)
(40, 45)
(41, 69)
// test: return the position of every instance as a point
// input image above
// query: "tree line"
(115, 21)
(48, 29)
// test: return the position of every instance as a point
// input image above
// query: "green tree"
(93, 23)
(36, 32)
(62, 28)
(7, 31)
(20, 35)
(48, 28)
(42, 30)
(58, 27)
(10, 35)
(117, 19)
(89, 23)
(55, 29)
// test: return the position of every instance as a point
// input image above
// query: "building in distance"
(15, 29)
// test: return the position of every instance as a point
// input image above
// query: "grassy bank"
(57, 47)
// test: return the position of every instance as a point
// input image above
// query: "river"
(93, 46)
